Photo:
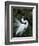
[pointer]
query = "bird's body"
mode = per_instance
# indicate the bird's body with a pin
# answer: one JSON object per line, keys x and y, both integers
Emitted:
{"x": 20, "y": 29}
{"x": 22, "y": 26}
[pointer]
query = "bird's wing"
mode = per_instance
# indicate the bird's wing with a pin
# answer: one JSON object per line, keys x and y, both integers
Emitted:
{"x": 17, "y": 22}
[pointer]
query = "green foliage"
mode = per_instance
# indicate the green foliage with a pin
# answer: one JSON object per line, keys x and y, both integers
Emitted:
{"x": 27, "y": 12}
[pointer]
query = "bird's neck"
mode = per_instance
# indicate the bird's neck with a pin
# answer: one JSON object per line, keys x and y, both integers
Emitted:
{"x": 24, "y": 21}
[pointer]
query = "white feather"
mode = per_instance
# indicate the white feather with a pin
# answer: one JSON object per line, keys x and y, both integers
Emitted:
{"x": 21, "y": 26}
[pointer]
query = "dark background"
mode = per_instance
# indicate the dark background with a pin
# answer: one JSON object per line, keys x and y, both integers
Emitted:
{"x": 27, "y": 13}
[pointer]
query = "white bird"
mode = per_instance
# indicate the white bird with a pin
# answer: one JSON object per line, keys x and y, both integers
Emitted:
{"x": 22, "y": 26}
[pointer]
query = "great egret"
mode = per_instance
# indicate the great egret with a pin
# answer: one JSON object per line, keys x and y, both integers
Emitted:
{"x": 21, "y": 26}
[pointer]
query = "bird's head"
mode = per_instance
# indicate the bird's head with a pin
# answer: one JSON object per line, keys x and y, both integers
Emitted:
{"x": 24, "y": 20}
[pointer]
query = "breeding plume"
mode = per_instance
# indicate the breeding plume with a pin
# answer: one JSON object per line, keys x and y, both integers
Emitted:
{"x": 21, "y": 26}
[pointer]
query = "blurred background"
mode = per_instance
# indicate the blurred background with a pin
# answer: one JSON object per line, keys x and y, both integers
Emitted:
{"x": 18, "y": 13}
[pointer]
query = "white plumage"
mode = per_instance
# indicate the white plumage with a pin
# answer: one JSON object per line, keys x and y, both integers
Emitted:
{"x": 21, "y": 26}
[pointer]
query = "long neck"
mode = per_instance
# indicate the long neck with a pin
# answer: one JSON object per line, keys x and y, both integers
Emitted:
{"x": 22, "y": 20}
{"x": 26, "y": 24}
